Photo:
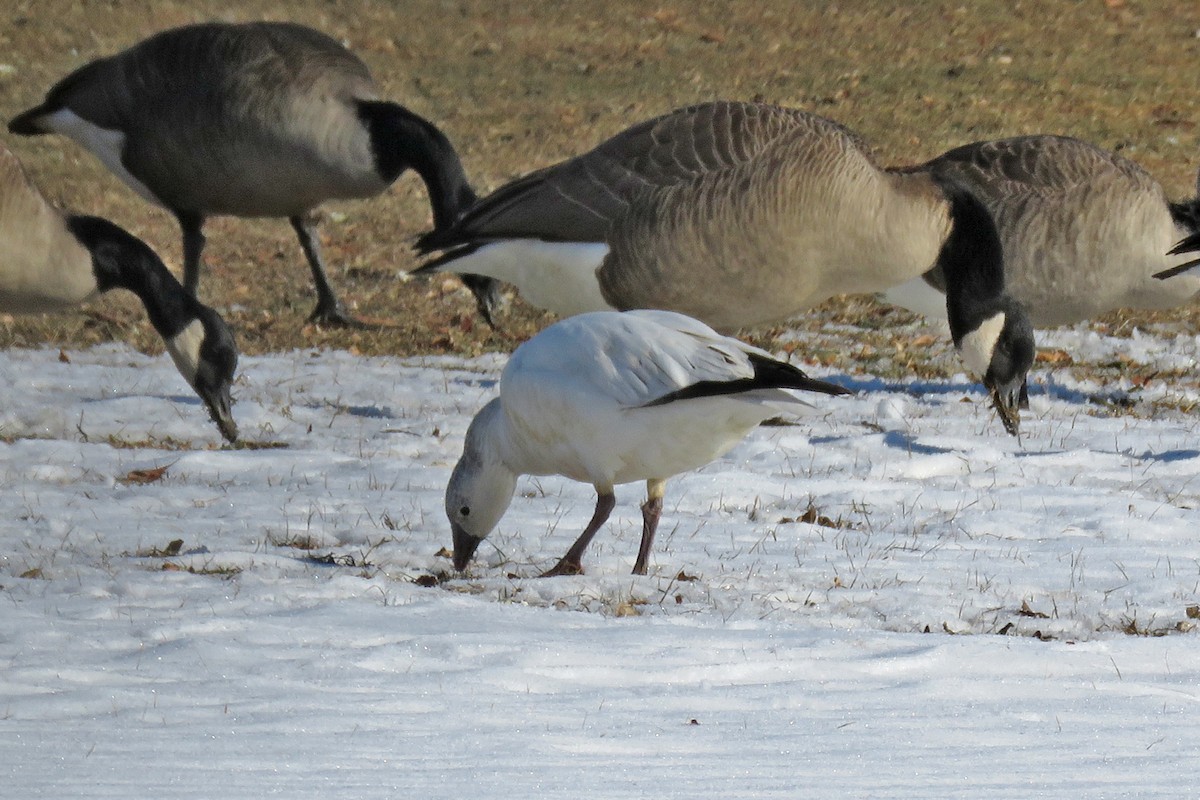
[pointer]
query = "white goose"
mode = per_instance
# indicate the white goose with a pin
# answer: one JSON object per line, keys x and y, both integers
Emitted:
{"x": 743, "y": 214}
{"x": 262, "y": 119}
{"x": 51, "y": 262}
{"x": 608, "y": 398}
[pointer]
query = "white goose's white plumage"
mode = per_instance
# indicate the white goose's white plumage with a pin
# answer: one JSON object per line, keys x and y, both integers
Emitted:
{"x": 608, "y": 398}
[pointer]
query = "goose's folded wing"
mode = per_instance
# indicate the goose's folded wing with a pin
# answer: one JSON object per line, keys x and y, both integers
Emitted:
{"x": 578, "y": 199}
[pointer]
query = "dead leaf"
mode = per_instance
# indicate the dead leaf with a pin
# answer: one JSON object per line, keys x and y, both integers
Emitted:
{"x": 1054, "y": 356}
{"x": 813, "y": 517}
{"x": 144, "y": 476}
{"x": 63, "y": 357}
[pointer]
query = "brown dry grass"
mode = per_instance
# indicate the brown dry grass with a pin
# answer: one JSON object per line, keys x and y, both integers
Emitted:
{"x": 520, "y": 85}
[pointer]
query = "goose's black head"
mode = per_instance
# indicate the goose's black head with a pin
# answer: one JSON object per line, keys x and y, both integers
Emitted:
{"x": 991, "y": 330}
{"x": 999, "y": 347}
{"x": 215, "y": 366}
{"x": 199, "y": 341}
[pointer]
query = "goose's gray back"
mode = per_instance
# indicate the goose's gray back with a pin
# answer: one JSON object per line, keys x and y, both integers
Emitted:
{"x": 252, "y": 119}
{"x": 43, "y": 267}
{"x": 739, "y": 214}
{"x": 1083, "y": 229}
{"x": 792, "y": 192}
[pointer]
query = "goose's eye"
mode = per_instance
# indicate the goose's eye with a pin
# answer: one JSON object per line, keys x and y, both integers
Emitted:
{"x": 465, "y": 511}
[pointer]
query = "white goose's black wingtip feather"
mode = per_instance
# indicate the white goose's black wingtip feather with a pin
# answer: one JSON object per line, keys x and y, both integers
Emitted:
{"x": 769, "y": 373}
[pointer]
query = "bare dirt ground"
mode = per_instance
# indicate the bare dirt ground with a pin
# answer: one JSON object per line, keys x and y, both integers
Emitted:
{"x": 518, "y": 85}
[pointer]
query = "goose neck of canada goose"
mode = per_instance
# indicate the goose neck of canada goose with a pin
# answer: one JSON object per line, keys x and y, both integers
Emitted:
{"x": 990, "y": 329}
{"x": 1186, "y": 215}
{"x": 402, "y": 140}
{"x": 199, "y": 342}
{"x": 972, "y": 261}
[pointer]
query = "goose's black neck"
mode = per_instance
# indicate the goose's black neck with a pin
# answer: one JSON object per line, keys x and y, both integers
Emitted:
{"x": 402, "y": 140}
{"x": 122, "y": 261}
{"x": 972, "y": 261}
{"x": 1187, "y": 214}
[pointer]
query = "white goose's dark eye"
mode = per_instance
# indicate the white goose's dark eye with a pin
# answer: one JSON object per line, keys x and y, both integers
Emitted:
{"x": 465, "y": 511}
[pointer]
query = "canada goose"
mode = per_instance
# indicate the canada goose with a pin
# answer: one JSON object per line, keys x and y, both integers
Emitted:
{"x": 609, "y": 398}
{"x": 742, "y": 214}
{"x": 50, "y": 262}
{"x": 262, "y": 119}
{"x": 1084, "y": 230}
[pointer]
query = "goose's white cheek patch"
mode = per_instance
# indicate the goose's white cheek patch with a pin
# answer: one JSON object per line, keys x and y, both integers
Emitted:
{"x": 184, "y": 348}
{"x": 977, "y": 346}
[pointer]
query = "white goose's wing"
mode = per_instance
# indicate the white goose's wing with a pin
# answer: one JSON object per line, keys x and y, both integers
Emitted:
{"x": 622, "y": 360}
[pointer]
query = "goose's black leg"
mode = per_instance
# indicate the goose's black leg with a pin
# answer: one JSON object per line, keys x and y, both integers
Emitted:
{"x": 329, "y": 310}
{"x": 193, "y": 248}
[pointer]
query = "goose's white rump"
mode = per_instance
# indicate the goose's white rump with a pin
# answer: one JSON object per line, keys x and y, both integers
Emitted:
{"x": 608, "y": 398}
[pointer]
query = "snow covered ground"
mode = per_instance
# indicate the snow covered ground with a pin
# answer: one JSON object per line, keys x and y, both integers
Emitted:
{"x": 962, "y": 615}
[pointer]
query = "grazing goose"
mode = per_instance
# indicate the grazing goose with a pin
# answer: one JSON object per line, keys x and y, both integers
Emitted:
{"x": 1084, "y": 230}
{"x": 742, "y": 214}
{"x": 49, "y": 262}
{"x": 263, "y": 119}
{"x": 609, "y": 398}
